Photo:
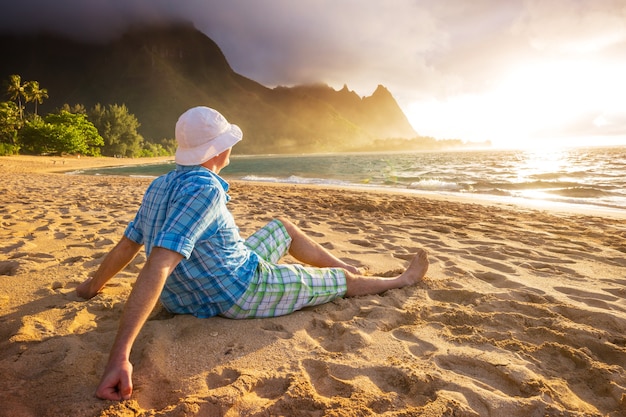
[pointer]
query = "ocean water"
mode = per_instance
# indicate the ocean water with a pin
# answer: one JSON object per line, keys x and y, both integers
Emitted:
{"x": 578, "y": 176}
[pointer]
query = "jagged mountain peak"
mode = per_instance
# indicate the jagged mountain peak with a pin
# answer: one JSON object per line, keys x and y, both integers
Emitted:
{"x": 160, "y": 71}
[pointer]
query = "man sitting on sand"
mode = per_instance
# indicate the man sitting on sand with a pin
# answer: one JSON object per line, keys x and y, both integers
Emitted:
{"x": 198, "y": 264}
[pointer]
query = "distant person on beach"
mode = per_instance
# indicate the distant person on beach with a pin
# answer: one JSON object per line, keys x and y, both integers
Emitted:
{"x": 198, "y": 264}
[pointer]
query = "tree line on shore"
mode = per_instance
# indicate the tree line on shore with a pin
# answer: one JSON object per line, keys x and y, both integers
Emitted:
{"x": 100, "y": 131}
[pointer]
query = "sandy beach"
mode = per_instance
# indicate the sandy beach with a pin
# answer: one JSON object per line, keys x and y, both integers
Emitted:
{"x": 522, "y": 312}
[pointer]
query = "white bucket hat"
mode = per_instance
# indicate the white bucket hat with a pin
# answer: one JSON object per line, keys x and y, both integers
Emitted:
{"x": 201, "y": 134}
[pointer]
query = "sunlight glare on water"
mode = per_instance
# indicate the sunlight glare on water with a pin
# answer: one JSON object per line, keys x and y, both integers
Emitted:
{"x": 537, "y": 166}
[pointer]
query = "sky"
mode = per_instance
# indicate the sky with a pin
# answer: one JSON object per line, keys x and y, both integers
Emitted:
{"x": 518, "y": 73}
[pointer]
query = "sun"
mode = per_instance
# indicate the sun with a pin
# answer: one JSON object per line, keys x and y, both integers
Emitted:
{"x": 555, "y": 93}
{"x": 537, "y": 104}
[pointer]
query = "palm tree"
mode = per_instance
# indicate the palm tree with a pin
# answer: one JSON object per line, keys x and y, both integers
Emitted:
{"x": 34, "y": 93}
{"x": 16, "y": 92}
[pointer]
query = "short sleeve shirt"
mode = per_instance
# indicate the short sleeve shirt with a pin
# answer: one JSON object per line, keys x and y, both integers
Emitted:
{"x": 185, "y": 211}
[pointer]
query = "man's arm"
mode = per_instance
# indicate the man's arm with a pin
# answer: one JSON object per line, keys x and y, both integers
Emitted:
{"x": 116, "y": 260}
{"x": 116, "y": 383}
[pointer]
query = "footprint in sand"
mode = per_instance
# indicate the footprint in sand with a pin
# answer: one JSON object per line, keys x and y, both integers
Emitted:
{"x": 618, "y": 292}
{"x": 463, "y": 297}
{"x": 344, "y": 310}
{"x": 34, "y": 329}
{"x": 514, "y": 381}
{"x": 416, "y": 346}
{"x": 497, "y": 280}
{"x": 326, "y": 384}
{"x": 9, "y": 268}
{"x": 346, "y": 230}
{"x": 222, "y": 378}
{"x": 328, "y": 245}
{"x": 271, "y": 388}
{"x": 313, "y": 233}
{"x": 386, "y": 317}
{"x": 406, "y": 256}
{"x": 99, "y": 243}
{"x": 277, "y": 329}
{"x": 531, "y": 296}
{"x": 382, "y": 388}
{"x": 40, "y": 257}
{"x": 585, "y": 376}
{"x": 498, "y": 266}
{"x": 233, "y": 348}
{"x": 337, "y": 337}
{"x": 363, "y": 243}
{"x": 80, "y": 245}
{"x": 543, "y": 269}
{"x": 592, "y": 299}
{"x": 264, "y": 387}
{"x": 72, "y": 260}
{"x": 22, "y": 245}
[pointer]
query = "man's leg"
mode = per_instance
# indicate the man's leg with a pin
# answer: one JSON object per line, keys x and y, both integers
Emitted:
{"x": 306, "y": 250}
{"x": 279, "y": 289}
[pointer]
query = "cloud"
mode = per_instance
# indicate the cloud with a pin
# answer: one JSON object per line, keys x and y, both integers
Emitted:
{"x": 425, "y": 51}
{"x": 573, "y": 26}
{"x": 276, "y": 42}
{"x": 96, "y": 19}
{"x": 352, "y": 42}
{"x": 429, "y": 46}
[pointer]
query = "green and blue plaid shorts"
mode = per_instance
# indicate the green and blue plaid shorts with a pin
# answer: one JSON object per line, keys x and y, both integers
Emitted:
{"x": 279, "y": 289}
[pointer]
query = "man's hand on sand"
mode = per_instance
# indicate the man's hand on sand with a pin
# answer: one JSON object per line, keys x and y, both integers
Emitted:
{"x": 116, "y": 383}
{"x": 84, "y": 291}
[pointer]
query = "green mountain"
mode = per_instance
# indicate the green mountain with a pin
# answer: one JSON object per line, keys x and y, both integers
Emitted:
{"x": 159, "y": 72}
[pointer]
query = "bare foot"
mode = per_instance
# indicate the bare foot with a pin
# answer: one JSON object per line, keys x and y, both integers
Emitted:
{"x": 362, "y": 285}
{"x": 417, "y": 268}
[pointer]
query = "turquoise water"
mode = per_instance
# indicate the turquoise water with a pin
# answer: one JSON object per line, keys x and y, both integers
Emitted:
{"x": 591, "y": 176}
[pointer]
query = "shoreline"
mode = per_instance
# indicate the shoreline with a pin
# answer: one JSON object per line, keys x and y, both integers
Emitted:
{"x": 522, "y": 311}
{"x": 67, "y": 165}
{"x": 63, "y": 164}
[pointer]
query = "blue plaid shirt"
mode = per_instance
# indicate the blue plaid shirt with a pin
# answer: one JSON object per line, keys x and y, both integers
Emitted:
{"x": 185, "y": 211}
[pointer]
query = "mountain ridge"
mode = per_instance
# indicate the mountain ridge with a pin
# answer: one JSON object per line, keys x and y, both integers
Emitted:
{"x": 160, "y": 71}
